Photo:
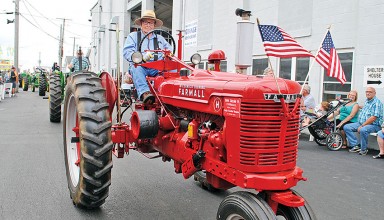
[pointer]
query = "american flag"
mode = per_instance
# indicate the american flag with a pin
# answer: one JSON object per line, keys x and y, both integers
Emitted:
{"x": 278, "y": 43}
{"x": 328, "y": 58}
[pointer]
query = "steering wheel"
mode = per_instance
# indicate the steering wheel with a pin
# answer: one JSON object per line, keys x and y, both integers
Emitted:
{"x": 173, "y": 44}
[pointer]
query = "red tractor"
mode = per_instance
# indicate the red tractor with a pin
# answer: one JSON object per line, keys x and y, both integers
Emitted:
{"x": 241, "y": 130}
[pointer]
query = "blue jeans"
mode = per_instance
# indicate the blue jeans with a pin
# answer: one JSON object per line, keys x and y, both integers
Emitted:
{"x": 139, "y": 74}
{"x": 350, "y": 130}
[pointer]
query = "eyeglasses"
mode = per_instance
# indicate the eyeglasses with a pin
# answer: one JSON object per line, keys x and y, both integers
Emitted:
{"x": 148, "y": 22}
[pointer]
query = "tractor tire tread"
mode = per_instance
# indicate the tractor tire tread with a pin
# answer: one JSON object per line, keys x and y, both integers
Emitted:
{"x": 95, "y": 140}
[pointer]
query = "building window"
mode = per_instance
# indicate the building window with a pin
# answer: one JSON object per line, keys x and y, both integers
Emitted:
{"x": 332, "y": 88}
{"x": 201, "y": 65}
{"x": 302, "y": 68}
{"x": 259, "y": 65}
{"x": 285, "y": 68}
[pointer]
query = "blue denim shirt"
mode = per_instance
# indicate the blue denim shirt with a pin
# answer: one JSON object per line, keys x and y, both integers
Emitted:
{"x": 373, "y": 107}
{"x": 131, "y": 46}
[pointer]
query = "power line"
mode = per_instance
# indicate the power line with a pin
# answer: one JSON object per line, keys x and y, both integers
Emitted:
{"x": 38, "y": 27}
{"x": 50, "y": 20}
{"x": 32, "y": 16}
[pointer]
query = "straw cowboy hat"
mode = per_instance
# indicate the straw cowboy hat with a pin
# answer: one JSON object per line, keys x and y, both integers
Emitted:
{"x": 149, "y": 14}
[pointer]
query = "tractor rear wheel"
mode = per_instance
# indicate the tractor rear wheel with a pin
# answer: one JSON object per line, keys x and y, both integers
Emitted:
{"x": 42, "y": 85}
{"x": 296, "y": 213}
{"x": 244, "y": 205}
{"x": 25, "y": 84}
{"x": 87, "y": 140}
{"x": 55, "y": 98}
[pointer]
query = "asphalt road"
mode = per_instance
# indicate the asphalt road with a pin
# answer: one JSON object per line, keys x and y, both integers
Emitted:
{"x": 33, "y": 184}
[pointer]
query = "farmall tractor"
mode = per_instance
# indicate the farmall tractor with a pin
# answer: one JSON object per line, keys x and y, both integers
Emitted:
{"x": 239, "y": 129}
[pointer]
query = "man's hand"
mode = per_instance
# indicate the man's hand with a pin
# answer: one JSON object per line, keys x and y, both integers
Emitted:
{"x": 147, "y": 56}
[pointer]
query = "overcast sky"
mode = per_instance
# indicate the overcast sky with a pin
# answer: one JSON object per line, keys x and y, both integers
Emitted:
{"x": 41, "y": 37}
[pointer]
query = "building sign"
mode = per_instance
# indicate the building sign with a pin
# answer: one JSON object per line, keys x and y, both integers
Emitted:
{"x": 374, "y": 76}
{"x": 190, "y": 38}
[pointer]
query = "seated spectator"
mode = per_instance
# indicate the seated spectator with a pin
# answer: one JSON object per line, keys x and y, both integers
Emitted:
{"x": 268, "y": 72}
{"x": 370, "y": 119}
{"x": 321, "y": 111}
{"x": 347, "y": 114}
{"x": 308, "y": 102}
{"x": 380, "y": 142}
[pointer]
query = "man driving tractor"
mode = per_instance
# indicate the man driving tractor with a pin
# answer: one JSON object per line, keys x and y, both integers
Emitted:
{"x": 147, "y": 22}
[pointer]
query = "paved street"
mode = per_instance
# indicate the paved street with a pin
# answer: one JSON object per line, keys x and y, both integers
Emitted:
{"x": 33, "y": 184}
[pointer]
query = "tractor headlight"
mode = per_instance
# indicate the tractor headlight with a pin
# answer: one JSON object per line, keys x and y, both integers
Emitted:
{"x": 137, "y": 57}
{"x": 196, "y": 58}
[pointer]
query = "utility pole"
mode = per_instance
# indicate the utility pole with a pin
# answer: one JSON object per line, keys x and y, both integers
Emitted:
{"x": 60, "y": 46}
{"x": 61, "y": 50}
{"x": 74, "y": 41}
{"x": 16, "y": 43}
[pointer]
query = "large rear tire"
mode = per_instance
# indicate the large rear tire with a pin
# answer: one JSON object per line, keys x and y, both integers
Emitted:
{"x": 42, "y": 85}
{"x": 244, "y": 205}
{"x": 55, "y": 98}
{"x": 87, "y": 140}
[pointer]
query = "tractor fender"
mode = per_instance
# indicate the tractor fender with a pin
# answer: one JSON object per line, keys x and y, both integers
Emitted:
{"x": 110, "y": 90}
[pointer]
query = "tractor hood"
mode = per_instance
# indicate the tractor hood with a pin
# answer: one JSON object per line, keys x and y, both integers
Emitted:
{"x": 203, "y": 87}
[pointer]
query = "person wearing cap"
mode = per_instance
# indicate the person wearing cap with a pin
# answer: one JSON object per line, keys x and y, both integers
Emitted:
{"x": 148, "y": 22}
{"x": 74, "y": 66}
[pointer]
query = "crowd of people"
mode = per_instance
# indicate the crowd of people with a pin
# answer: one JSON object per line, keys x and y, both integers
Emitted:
{"x": 10, "y": 76}
{"x": 355, "y": 122}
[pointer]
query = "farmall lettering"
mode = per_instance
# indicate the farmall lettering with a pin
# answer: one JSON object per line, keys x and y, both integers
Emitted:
{"x": 289, "y": 98}
{"x": 192, "y": 91}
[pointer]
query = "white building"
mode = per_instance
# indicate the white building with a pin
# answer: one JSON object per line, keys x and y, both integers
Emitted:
{"x": 357, "y": 28}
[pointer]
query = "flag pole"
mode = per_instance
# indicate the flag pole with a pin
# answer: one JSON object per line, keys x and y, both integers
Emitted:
{"x": 269, "y": 60}
{"x": 317, "y": 53}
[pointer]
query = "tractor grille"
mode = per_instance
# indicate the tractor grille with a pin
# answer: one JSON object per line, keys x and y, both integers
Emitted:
{"x": 268, "y": 140}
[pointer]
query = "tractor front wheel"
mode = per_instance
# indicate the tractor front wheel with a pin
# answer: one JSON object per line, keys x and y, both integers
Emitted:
{"x": 244, "y": 205}
{"x": 55, "y": 98}
{"x": 87, "y": 140}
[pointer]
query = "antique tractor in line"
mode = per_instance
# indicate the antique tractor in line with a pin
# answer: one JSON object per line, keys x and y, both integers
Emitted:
{"x": 236, "y": 128}
{"x": 38, "y": 79}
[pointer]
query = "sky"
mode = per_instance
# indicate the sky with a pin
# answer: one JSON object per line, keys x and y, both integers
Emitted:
{"x": 40, "y": 40}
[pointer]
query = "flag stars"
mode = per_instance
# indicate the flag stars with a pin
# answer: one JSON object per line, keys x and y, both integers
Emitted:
{"x": 328, "y": 43}
{"x": 271, "y": 33}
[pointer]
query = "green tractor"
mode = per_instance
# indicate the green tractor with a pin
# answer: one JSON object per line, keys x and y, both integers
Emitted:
{"x": 25, "y": 80}
{"x": 56, "y": 95}
{"x": 38, "y": 79}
